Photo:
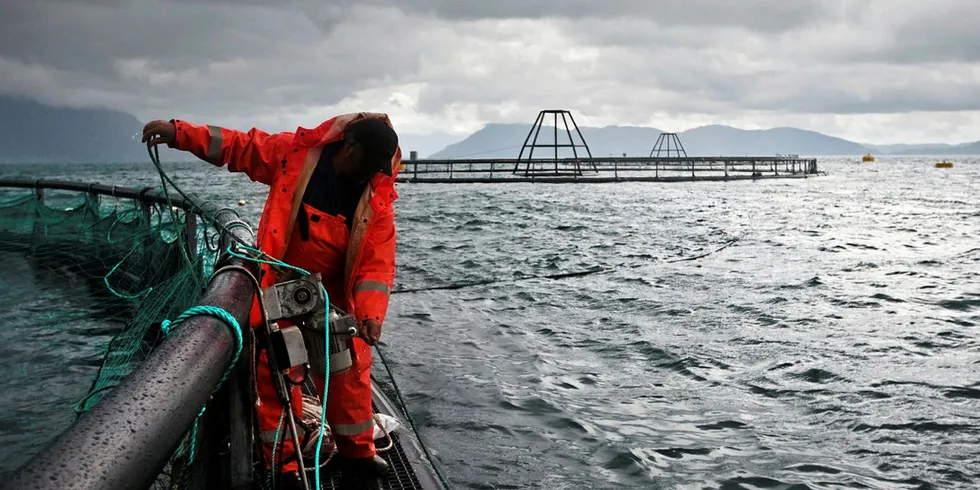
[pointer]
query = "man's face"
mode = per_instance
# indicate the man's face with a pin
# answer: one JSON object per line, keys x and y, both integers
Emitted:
{"x": 349, "y": 161}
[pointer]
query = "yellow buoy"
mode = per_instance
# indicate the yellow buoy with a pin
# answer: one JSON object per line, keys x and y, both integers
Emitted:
{"x": 868, "y": 158}
{"x": 241, "y": 202}
{"x": 944, "y": 164}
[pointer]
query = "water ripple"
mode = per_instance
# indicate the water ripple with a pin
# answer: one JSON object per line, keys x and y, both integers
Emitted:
{"x": 832, "y": 346}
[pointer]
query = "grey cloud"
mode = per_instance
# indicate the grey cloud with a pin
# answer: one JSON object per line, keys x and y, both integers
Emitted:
{"x": 206, "y": 57}
{"x": 266, "y": 60}
{"x": 722, "y": 86}
{"x": 921, "y": 94}
{"x": 89, "y": 38}
{"x": 762, "y": 15}
{"x": 640, "y": 80}
{"x": 640, "y": 32}
{"x": 94, "y": 3}
{"x": 902, "y": 33}
{"x": 943, "y": 33}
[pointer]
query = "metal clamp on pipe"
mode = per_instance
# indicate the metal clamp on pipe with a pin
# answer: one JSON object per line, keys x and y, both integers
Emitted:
{"x": 296, "y": 323}
{"x": 301, "y": 302}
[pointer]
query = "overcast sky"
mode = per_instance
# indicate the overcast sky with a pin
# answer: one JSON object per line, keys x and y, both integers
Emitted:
{"x": 875, "y": 71}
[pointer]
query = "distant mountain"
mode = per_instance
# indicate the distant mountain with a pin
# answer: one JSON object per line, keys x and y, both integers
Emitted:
{"x": 726, "y": 140}
{"x": 894, "y": 149}
{"x": 504, "y": 141}
{"x": 492, "y": 141}
{"x": 34, "y": 133}
{"x": 929, "y": 149}
{"x": 965, "y": 149}
{"x": 31, "y": 132}
{"x": 424, "y": 144}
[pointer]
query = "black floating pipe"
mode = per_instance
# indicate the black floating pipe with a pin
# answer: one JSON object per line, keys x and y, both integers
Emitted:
{"x": 147, "y": 194}
{"x": 126, "y": 439}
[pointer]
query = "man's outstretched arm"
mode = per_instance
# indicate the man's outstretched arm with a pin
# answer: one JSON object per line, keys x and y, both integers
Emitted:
{"x": 255, "y": 153}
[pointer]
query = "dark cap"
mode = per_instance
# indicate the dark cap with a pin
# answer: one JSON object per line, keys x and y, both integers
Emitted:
{"x": 377, "y": 140}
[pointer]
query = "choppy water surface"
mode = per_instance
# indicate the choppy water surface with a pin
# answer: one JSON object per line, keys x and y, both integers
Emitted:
{"x": 833, "y": 344}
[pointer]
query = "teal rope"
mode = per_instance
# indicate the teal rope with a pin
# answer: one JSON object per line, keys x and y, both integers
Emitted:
{"x": 166, "y": 326}
{"x": 326, "y": 380}
{"x": 272, "y": 261}
{"x": 326, "y": 353}
{"x": 112, "y": 290}
{"x": 165, "y": 179}
{"x": 275, "y": 444}
{"x": 323, "y": 413}
{"x": 196, "y": 209}
{"x": 220, "y": 313}
{"x": 120, "y": 216}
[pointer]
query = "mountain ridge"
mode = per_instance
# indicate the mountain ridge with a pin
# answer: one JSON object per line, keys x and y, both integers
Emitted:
{"x": 707, "y": 140}
{"x": 31, "y": 132}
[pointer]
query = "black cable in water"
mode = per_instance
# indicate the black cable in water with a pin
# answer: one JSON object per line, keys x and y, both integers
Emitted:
{"x": 588, "y": 272}
{"x": 564, "y": 275}
{"x": 696, "y": 257}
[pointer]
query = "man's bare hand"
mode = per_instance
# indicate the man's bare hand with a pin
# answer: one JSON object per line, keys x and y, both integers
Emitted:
{"x": 370, "y": 331}
{"x": 159, "y": 132}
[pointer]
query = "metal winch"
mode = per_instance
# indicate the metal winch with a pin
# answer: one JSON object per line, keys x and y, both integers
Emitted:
{"x": 301, "y": 302}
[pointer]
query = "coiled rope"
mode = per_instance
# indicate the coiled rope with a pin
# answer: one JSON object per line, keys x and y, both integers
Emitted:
{"x": 326, "y": 333}
{"x": 221, "y": 314}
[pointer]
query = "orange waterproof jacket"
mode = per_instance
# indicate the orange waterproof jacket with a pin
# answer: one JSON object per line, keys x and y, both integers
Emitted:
{"x": 284, "y": 162}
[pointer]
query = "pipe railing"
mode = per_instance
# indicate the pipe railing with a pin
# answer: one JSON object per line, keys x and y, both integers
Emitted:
{"x": 127, "y": 438}
{"x": 601, "y": 169}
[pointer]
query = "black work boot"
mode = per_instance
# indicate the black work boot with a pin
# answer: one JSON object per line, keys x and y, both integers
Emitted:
{"x": 362, "y": 473}
{"x": 291, "y": 480}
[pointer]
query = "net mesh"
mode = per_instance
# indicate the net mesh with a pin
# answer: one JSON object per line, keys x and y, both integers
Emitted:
{"x": 122, "y": 266}
{"x": 104, "y": 273}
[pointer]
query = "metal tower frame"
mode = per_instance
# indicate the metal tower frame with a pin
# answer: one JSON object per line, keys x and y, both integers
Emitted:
{"x": 536, "y": 130}
{"x": 665, "y": 140}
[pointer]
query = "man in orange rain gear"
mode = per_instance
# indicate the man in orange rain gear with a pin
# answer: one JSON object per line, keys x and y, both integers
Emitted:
{"x": 329, "y": 210}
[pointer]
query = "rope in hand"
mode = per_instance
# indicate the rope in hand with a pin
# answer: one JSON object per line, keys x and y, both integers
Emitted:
{"x": 165, "y": 180}
{"x": 167, "y": 327}
{"x": 196, "y": 208}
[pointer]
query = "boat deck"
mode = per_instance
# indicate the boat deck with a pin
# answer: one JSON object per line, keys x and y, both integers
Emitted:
{"x": 410, "y": 467}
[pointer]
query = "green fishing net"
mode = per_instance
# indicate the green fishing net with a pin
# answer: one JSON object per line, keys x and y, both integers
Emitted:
{"x": 89, "y": 279}
{"x": 133, "y": 259}
{"x": 121, "y": 266}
